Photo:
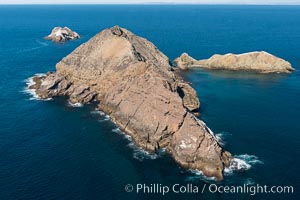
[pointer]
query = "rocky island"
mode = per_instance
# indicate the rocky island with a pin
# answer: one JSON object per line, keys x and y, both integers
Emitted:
{"x": 59, "y": 34}
{"x": 261, "y": 62}
{"x": 135, "y": 84}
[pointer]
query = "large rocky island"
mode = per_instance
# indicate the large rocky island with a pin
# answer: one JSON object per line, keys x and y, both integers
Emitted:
{"x": 261, "y": 62}
{"x": 135, "y": 84}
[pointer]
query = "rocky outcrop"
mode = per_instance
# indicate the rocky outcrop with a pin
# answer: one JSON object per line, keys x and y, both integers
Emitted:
{"x": 135, "y": 84}
{"x": 262, "y": 62}
{"x": 185, "y": 61}
{"x": 60, "y": 34}
{"x": 189, "y": 96}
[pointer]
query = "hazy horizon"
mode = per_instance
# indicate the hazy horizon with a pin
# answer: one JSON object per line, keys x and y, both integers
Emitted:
{"x": 239, "y": 2}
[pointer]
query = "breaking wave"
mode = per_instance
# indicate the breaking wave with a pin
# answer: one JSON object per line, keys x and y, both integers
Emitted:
{"x": 29, "y": 82}
{"x": 242, "y": 163}
{"x": 98, "y": 112}
{"x": 117, "y": 130}
{"x": 76, "y": 105}
{"x": 139, "y": 153}
{"x": 221, "y": 137}
{"x": 198, "y": 175}
{"x": 106, "y": 118}
{"x": 239, "y": 163}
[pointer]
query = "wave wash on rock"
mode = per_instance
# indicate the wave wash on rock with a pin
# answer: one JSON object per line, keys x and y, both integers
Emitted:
{"x": 135, "y": 84}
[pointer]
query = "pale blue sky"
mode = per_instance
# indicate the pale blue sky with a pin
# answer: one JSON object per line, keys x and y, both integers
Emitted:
{"x": 287, "y": 2}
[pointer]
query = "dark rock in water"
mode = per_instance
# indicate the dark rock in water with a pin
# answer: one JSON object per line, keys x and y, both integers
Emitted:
{"x": 60, "y": 34}
{"x": 136, "y": 86}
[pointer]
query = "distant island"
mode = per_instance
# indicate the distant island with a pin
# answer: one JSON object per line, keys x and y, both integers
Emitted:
{"x": 59, "y": 34}
{"x": 261, "y": 62}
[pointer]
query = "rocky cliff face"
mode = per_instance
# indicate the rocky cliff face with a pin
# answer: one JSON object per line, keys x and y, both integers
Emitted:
{"x": 262, "y": 62}
{"x": 59, "y": 34}
{"x": 135, "y": 84}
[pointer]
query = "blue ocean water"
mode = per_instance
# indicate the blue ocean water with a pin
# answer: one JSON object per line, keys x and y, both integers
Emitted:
{"x": 50, "y": 150}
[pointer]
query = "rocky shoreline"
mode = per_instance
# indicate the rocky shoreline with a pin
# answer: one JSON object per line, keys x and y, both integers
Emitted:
{"x": 134, "y": 83}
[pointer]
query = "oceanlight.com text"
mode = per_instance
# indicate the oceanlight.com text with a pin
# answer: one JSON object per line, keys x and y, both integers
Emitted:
{"x": 161, "y": 189}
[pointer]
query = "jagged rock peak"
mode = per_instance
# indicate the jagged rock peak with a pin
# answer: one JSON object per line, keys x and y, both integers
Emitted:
{"x": 116, "y": 30}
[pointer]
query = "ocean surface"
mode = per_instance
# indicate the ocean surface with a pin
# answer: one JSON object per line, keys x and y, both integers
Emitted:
{"x": 53, "y": 150}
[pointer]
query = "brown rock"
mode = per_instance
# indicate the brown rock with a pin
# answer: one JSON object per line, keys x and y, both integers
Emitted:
{"x": 195, "y": 146}
{"x": 189, "y": 96}
{"x": 185, "y": 61}
{"x": 262, "y": 62}
{"x": 136, "y": 86}
{"x": 59, "y": 34}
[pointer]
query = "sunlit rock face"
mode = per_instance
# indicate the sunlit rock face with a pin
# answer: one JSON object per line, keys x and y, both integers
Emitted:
{"x": 261, "y": 62}
{"x": 136, "y": 85}
{"x": 59, "y": 34}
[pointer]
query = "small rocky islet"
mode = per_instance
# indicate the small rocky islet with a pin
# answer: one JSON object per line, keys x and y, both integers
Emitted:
{"x": 60, "y": 35}
{"x": 136, "y": 85}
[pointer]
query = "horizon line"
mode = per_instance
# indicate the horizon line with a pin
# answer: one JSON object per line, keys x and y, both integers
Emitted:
{"x": 158, "y": 3}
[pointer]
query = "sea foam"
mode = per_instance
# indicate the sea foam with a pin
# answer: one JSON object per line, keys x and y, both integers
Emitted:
{"x": 106, "y": 118}
{"x": 221, "y": 137}
{"x": 242, "y": 163}
{"x": 98, "y": 112}
{"x": 139, "y": 153}
{"x": 75, "y": 104}
{"x": 239, "y": 163}
{"x": 29, "y": 82}
{"x": 199, "y": 175}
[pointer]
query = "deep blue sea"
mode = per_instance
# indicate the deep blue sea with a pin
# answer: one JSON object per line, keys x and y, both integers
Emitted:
{"x": 51, "y": 150}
